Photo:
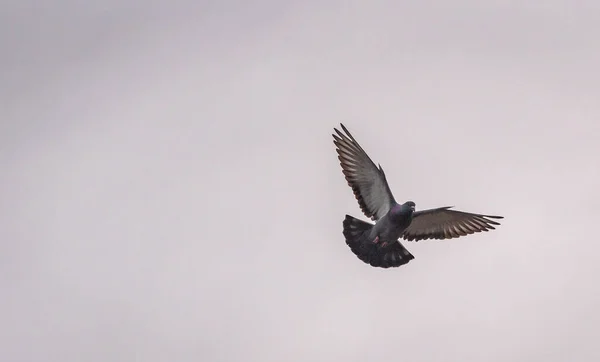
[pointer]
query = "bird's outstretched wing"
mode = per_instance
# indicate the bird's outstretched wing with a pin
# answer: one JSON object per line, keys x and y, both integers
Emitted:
{"x": 442, "y": 223}
{"x": 367, "y": 181}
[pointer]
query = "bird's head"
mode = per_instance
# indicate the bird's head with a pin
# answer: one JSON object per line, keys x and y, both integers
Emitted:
{"x": 409, "y": 205}
{"x": 402, "y": 210}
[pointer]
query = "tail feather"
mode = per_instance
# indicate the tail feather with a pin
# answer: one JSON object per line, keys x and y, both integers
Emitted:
{"x": 357, "y": 232}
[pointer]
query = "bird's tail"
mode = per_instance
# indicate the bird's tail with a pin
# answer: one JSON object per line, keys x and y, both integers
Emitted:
{"x": 357, "y": 232}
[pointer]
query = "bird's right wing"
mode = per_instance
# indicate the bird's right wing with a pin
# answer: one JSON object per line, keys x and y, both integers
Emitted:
{"x": 367, "y": 181}
{"x": 443, "y": 223}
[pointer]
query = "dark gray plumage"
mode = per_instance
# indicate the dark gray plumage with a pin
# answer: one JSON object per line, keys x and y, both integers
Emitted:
{"x": 379, "y": 244}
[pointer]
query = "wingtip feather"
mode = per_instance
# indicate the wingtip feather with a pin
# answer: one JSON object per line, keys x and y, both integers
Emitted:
{"x": 344, "y": 127}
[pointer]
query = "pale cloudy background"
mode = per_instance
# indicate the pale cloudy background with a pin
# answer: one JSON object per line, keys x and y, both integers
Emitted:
{"x": 170, "y": 190}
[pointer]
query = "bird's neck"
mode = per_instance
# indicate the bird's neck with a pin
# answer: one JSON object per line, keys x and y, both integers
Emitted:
{"x": 400, "y": 213}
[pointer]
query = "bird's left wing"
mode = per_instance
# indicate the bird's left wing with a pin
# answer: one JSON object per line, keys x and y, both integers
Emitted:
{"x": 443, "y": 223}
{"x": 368, "y": 182}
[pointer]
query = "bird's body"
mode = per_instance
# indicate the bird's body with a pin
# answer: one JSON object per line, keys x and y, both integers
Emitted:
{"x": 379, "y": 244}
{"x": 392, "y": 225}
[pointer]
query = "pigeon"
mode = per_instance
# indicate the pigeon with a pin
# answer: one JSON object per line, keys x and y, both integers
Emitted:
{"x": 379, "y": 244}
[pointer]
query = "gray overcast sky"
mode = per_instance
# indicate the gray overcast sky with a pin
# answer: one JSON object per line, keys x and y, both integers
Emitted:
{"x": 170, "y": 189}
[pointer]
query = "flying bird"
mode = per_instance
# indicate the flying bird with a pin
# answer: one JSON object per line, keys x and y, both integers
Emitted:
{"x": 379, "y": 244}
